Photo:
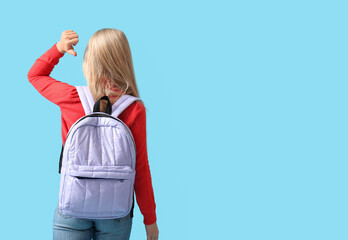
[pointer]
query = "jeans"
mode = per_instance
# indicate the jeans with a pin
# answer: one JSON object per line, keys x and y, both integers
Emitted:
{"x": 71, "y": 228}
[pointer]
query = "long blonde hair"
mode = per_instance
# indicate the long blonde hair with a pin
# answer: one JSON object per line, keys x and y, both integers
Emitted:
{"x": 108, "y": 65}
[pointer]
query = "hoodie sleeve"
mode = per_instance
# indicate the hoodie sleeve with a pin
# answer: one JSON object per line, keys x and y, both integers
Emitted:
{"x": 143, "y": 182}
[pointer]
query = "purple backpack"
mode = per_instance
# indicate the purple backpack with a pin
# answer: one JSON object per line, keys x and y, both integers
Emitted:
{"x": 97, "y": 163}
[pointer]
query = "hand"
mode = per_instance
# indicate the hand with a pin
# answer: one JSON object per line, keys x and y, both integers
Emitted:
{"x": 152, "y": 231}
{"x": 67, "y": 40}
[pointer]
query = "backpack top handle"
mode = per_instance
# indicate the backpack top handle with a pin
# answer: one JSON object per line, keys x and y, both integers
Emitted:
{"x": 108, "y": 108}
{"x": 117, "y": 108}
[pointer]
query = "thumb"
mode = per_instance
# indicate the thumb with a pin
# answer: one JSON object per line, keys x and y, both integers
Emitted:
{"x": 72, "y": 52}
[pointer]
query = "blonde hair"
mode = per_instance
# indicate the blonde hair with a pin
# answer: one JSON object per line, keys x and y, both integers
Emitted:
{"x": 108, "y": 65}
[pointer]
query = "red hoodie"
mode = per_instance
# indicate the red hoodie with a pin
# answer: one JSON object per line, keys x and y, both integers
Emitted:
{"x": 67, "y": 98}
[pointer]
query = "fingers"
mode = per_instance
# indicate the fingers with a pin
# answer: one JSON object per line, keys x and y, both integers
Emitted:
{"x": 73, "y": 41}
{"x": 73, "y": 34}
{"x": 69, "y": 39}
{"x": 153, "y": 236}
{"x": 69, "y": 34}
{"x": 72, "y": 52}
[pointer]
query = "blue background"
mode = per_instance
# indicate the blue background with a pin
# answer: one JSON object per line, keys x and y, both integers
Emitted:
{"x": 246, "y": 114}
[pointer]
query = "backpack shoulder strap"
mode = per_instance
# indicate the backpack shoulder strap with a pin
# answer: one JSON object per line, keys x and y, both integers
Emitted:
{"x": 122, "y": 103}
{"x": 87, "y": 99}
{"x": 118, "y": 107}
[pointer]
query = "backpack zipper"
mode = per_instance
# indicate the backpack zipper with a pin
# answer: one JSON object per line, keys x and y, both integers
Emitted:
{"x": 120, "y": 179}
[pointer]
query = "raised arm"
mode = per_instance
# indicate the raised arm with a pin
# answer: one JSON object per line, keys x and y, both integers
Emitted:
{"x": 39, "y": 74}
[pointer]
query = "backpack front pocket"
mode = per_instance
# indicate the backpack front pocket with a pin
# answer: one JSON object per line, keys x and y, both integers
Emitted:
{"x": 99, "y": 191}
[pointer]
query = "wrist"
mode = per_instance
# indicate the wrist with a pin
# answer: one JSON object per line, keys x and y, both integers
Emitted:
{"x": 59, "y": 49}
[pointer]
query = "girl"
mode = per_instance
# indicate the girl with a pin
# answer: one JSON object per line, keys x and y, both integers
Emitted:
{"x": 108, "y": 68}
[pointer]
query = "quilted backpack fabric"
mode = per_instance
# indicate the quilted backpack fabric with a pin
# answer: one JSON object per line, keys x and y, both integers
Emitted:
{"x": 97, "y": 162}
